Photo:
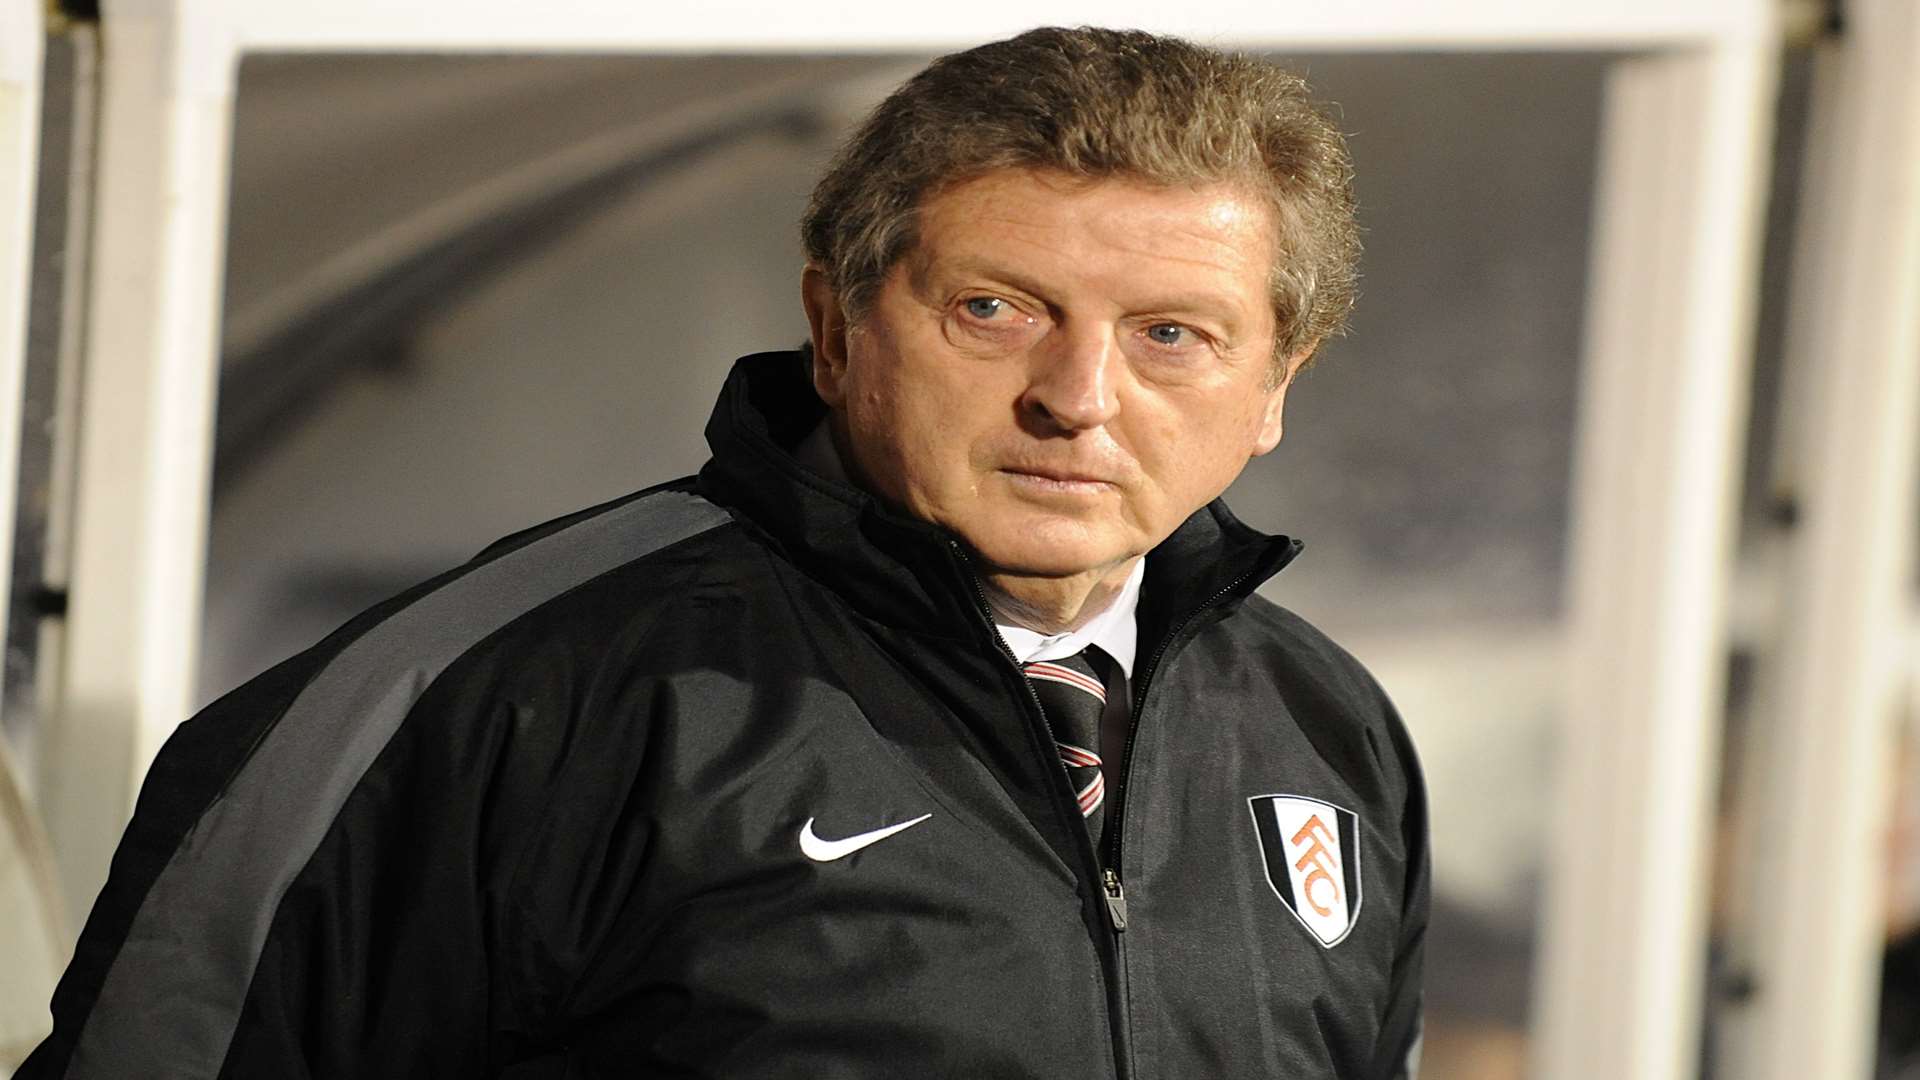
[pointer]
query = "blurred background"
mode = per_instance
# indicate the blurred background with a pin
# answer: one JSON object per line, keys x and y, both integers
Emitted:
{"x": 466, "y": 293}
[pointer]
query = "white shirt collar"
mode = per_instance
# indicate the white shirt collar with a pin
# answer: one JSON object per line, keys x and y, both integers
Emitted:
{"x": 1114, "y": 629}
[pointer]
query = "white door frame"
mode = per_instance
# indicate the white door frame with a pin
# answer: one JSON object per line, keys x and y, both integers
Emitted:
{"x": 1663, "y": 406}
{"x": 22, "y": 42}
{"x": 1814, "y": 830}
{"x": 1686, "y": 131}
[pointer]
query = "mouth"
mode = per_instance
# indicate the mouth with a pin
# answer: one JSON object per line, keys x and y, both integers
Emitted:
{"x": 1065, "y": 481}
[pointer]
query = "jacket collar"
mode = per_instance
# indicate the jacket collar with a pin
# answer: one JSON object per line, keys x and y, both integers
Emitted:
{"x": 909, "y": 573}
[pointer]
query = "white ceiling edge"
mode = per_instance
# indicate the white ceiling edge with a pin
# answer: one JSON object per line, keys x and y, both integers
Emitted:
{"x": 884, "y": 26}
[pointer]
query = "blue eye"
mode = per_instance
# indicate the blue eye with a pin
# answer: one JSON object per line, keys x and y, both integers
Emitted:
{"x": 1167, "y": 333}
{"x": 985, "y": 307}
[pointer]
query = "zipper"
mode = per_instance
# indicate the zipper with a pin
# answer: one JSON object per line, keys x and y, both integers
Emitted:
{"x": 1112, "y": 889}
{"x": 1116, "y": 899}
{"x": 1108, "y": 881}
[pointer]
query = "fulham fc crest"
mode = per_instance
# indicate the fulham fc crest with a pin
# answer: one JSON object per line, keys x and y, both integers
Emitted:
{"x": 1312, "y": 852}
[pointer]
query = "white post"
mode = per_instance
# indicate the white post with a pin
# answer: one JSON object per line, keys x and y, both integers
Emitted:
{"x": 22, "y": 39}
{"x": 1818, "y": 871}
{"x": 146, "y": 424}
{"x": 1663, "y": 398}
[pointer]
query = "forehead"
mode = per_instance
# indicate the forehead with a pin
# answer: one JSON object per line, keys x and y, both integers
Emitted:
{"x": 1213, "y": 234}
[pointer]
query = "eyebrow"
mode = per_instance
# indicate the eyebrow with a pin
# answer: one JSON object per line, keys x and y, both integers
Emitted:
{"x": 921, "y": 274}
{"x": 1205, "y": 305}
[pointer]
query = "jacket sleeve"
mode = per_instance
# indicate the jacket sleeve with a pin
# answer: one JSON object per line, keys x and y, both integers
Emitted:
{"x": 319, "y": 879}
{"x": 289, "y": 900}
{"x": 1397, "y": 1052}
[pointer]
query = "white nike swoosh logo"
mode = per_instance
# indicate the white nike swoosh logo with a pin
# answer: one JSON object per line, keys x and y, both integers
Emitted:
{"x": 828, "y": 850}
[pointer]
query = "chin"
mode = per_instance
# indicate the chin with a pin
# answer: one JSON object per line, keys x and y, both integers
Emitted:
{"x": 1031, "y": 552}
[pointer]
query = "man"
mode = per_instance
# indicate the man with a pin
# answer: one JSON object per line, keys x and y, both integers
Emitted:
{"x": 933, "y": 729}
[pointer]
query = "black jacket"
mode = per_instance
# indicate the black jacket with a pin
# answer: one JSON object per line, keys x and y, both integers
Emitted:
{"x": 541, "y": 817}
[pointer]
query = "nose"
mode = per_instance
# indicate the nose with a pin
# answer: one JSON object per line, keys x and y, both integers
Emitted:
{"x": 1073, "y": 376}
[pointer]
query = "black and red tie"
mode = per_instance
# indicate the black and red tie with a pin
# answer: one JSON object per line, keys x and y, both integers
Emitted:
{"x": 1073, "y": 696}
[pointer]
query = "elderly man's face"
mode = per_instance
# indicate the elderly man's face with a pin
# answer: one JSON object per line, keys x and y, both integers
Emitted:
{"x": 1063, "y": 369}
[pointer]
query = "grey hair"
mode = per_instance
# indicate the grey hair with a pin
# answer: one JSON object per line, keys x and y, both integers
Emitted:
{"x": 1098, "y": 103}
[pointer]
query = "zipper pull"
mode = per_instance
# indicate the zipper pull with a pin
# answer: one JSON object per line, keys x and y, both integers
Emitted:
{"x": 1116, "y": 901}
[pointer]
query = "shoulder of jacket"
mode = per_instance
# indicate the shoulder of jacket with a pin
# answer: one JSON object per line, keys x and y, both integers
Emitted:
{"x": 643, "y": 544}
{"x": 615, "y": 565}
{"x": 1307, "y": 642}
{"x": 655, "y": 518}
{"x": 1309, "y": 653}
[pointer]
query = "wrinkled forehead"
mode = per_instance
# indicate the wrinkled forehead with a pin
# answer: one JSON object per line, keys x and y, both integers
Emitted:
{"x": 1233, "y": 215}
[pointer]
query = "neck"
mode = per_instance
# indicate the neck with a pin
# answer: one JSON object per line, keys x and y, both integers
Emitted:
{"x": 1054, "y": 605}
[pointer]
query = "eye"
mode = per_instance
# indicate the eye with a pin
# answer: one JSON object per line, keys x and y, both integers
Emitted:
{"x": 1169, "y": 334}
{"x": 991, "y": 322}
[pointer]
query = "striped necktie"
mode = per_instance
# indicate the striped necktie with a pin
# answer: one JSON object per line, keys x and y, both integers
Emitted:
{"x": 1073, "y": 696}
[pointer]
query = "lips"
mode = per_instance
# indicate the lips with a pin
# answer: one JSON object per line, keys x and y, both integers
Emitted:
{"x": 1061, "y": 476}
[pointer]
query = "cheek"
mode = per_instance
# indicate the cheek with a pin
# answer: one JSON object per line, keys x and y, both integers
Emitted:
{"x": 905, "y": 418}
{"x": 929, "y": 402}
{"x": 892, "y": 407}
{"x": 872, "y": 387}
{"x": 1193, "y": 455}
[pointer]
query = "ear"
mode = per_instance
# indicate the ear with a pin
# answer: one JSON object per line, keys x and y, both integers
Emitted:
{"x": 828, "y": 325}
{"x": 1267, "y": 436}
